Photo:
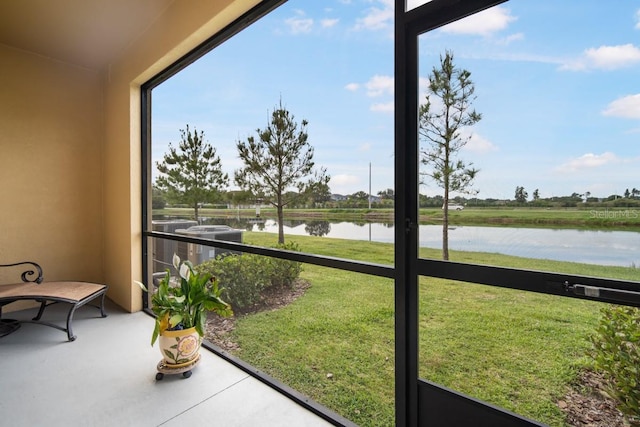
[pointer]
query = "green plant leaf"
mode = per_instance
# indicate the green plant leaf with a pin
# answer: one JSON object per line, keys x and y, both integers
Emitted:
{"x": 156, "y": 332}
{"x": 175, "y": 320}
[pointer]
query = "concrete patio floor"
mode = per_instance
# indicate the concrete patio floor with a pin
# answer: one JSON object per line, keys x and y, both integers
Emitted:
{"x": 106, "y": 377}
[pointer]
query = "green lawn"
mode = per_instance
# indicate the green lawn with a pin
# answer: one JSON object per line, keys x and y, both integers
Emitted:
{"x": 335, "y": 344}
{"x": 601, "y": 217}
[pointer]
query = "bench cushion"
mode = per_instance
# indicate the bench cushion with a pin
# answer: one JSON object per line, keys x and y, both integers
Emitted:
{"x": 68, "y": 291}
{"x": 76, "y": 294}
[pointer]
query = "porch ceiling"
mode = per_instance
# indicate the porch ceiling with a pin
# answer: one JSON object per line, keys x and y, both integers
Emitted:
{"x": 88, "y": 33}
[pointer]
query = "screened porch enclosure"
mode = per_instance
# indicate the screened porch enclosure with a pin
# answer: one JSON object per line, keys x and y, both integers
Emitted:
{"x": 493, "y": 301}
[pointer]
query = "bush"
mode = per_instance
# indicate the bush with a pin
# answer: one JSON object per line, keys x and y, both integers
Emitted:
{"x": 243, "y": 278}
{"x": 158, "y": 202}
{"x": 616, "y": 352}
{"x": 283, "y": 272}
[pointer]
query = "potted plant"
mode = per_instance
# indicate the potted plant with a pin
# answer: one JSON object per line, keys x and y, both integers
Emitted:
{"x": 181, "y": 305}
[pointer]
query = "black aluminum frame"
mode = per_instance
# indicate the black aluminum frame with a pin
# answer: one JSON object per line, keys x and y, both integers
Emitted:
{"x": 418, "y": 402}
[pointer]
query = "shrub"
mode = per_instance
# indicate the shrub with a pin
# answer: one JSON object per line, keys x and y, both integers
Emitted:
{"x": 242, "y": 277}
{"x": 284, "y": 272}
{"x": 158, "y": 202}
{"x": 616, "y": 352}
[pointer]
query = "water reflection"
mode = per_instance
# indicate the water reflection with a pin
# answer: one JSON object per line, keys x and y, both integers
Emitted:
{"x": 621, "y": 248}
{"x": 603, "y": 247}
{"x": 317, "y": 228}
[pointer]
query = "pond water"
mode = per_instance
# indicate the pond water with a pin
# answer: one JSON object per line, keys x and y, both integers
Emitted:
{"x": 602, "y": 247}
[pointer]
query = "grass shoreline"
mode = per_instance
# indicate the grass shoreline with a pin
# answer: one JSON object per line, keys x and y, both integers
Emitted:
{"x": 605, "y": 218}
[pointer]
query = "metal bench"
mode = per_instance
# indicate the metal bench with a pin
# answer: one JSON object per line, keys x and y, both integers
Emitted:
{"x": 76, "y": 294}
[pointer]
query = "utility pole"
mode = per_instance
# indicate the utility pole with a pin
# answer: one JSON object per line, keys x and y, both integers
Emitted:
{"x": 369, "y": 185}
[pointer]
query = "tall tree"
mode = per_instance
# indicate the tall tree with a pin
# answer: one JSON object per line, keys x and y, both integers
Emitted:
{"x": 157, "y": 198}
{"x": 192, "y": 173}
{"x": 360, "y": 195}
{"x": 239, "y": 197}
{"x": 536, "y": 194}
{"x": 317, "y": 191}
{"x": 521, "y": 195}
{"x": 442, "y": 118}
{"x": 280, "y": 158}
{"x": 387, "y": 194}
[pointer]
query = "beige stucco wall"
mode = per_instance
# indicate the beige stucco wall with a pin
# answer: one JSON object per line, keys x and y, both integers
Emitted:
{"x": 184, "y": 25}
{"x": 51, "y": 134}
{"x": 70, "y": 194}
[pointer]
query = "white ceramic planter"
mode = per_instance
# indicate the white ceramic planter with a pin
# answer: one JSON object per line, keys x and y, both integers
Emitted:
{"x": 179, "y": 348}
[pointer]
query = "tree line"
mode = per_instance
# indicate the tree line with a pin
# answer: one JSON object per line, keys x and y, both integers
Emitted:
{"x": 629, "y": 196}
{"x": 279, "y": 170}
{"x": 277, "y": 159}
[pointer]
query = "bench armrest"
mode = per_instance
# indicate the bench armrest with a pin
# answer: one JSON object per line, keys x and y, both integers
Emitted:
{"x": 28, "y": 275}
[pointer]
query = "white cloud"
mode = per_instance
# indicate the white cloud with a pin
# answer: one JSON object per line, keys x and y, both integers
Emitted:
{"x": 510, "y": 39}
{"x": 633, "y": 131}
{"x": 423, "y": 87}
{"x": 638, "y": 20}
{"x": 299, "y": 24}
{"x": 587, "y": 161}
{"x": 344, "y": 180}
{"x": 352, "y": 87}
{"x": 627, "y": 107}
{"x": 377, "y": 18}
{"x": 480, "y": 144}
{"x": 573, "y": 65}
{"x": 383, "y": 107}
{"x": 484, "y": 23}
{"x": 365, "y": 147}
{"x": 379, "y": 85}
{"x": 328, "y": 23}
{"x": 605, "y": 58}
{"x": 610, "y": 57}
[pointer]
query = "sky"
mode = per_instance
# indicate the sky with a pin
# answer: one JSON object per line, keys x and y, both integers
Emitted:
{"x": 557, "y": 84}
